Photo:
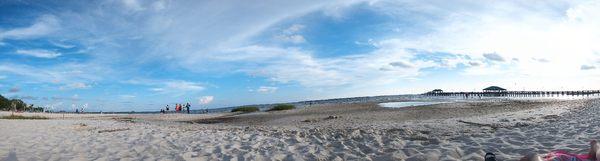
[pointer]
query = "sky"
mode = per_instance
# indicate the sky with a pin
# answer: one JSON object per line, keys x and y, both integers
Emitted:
{"x": 139, "y": 55}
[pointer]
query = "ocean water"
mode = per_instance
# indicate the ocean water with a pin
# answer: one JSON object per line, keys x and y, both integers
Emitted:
{"x": 407, "y": 104}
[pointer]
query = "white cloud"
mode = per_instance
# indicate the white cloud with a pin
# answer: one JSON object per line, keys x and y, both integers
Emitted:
{"x": 541, "y": 60}
{"x": 157, "y": 89}
{"x": 224, "y": 26}
{"x": 75, "y": 85}
{"x": 133, "y": 5}
{"x": 62, "y": 45}
{"x": 205, "y": 100}
{"x": 44, "y": 25}
{"x": 295, "y": 28}
{"x": 266, "y": 89}
{"x": 338, "y": 10}
{"x": 296, "y": 39}
{"x": 291, "y": 34}
{"x": 39, "y": 53}
{"x": 550, "y": 40}
{"x": 178, "y": 34}
{"x": 65, "y": 76}
{"x": 127, "y": 96}
{"x": 183, "y": 86}
{"x": 287, "y": 65}
{"x": 175, "y": 87}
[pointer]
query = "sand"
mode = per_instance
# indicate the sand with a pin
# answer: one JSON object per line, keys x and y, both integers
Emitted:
{"x": 453, "y": 131}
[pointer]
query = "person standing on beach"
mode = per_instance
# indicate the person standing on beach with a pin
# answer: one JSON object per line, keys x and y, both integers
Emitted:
{"x": 187, "y": 107}
{"x": 167, "y": 108}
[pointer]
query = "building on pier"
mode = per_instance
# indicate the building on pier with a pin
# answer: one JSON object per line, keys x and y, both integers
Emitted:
{"x": 494, "y": 89}
{"x": 437, "y": 91}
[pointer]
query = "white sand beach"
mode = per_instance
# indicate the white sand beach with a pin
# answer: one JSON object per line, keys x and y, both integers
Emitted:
{"x": 452, "y": 131}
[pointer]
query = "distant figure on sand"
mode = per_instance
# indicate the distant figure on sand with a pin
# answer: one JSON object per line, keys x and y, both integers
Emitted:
{"x": 167, "y": 108}
{"x": 593, "y": 155}
{"x": 187, "y": 107}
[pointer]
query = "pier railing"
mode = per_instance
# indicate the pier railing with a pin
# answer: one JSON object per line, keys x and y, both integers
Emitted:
{"x": 582, "y": 93}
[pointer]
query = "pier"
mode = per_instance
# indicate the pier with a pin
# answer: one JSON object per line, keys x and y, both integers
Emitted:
{"x": 495, "y": 91}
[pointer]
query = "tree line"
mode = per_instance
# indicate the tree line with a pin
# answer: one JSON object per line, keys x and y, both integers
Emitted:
{"x": 17, "y": 105}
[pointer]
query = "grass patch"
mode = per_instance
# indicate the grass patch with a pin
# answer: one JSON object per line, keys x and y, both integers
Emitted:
{"x": 127, "y": 119}
{"x": 281, "y": 107}
{"x": 19, "y": 117}
{"x": 246, "y": 109}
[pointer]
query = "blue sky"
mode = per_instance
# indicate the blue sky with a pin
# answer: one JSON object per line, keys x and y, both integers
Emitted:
{"x": 123, "y": 55}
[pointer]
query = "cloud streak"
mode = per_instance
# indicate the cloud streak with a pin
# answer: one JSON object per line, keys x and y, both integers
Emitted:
{"x": 44, "y": 25}
{"x": 266, "y": 89}
{"x": 39, "y": 53}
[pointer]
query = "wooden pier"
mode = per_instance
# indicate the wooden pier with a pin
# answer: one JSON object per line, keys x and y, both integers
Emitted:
{"x": 583, "y": 93}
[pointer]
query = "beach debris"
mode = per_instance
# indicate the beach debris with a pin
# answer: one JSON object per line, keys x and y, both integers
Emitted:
{"x": 317, "y": 120}
{"x": 332, "y": 117}
{"x": 214, "y": 120}
{"x": 83, "y": 126}
{"x": 310, "y": 120}
{"x": 113, "y": 130}
{"x": 479, "y": 124}
{"x": 551, "y": 117}
{"x": 127, "y": 119}
{"x": 521, "y": 124}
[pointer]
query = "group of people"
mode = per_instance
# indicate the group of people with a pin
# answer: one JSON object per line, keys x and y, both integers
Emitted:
{"x": 178, "y": 108}
{"x": 78, "y": 111}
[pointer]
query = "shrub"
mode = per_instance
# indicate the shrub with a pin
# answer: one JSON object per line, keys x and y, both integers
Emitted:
{"x": 245, "y": 109}
{"x": 19, "y": 117}
{"x": 282, "y": 107}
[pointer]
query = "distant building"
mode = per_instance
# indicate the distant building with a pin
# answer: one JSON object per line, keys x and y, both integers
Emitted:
{"x": 494, "y": 89}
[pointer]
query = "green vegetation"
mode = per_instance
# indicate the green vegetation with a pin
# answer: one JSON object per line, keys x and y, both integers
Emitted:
{"x": 245, "y": 109}
{"x": 12, "y": 104}
{"x": 281, "y": 107}
{"x": 19, "y": 117}
{"x": 17, "y": 105}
